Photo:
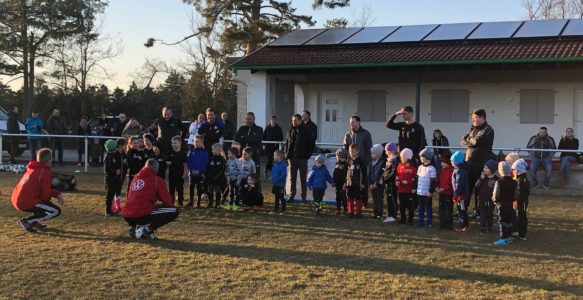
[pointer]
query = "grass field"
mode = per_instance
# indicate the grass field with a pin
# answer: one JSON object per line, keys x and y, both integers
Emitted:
{"x": 214, "y": 254}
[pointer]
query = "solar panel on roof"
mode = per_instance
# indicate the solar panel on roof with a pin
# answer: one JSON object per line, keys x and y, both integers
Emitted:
{"x": 540, "y": 28}
{"x": 296, "y": 37}
{"x": 451, "y": 32}
{"x": 371, "y": 35}
{"x": 575, "y": 27}
{"x": 495, "y": 30}
{"x": 412, "y": 33}
{"x": 333, "y": 36}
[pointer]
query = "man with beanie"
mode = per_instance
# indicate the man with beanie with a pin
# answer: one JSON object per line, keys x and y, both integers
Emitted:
{"x": 541, "y": 141}
{"x": 505, "y": 191}
{"x": 339, "y": 178}
{"x": 319, "y": 175}
{"x": 484, "y": 190}
{"x": 461, "y": 188}
{"x": 426, "y": 185}
{"x": 376, "y": 185}
{"x": 523, "y": 187}
{"x": 478, "y": 142}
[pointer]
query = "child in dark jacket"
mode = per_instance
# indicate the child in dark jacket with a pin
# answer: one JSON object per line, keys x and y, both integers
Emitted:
{"x": 234, "y": 175}
{"x": 484, "y": 192}
{"x": 405, "y": 181}
{"x": 426, "y": 185}
{"x": 505, "y": 191}
{"x": 113, "y": 167}
{"x": 445, "y": 190}
{"x": 147, "y": 151}
{"x": 251, "y": 194}
{"x": 161, "y": 159}
{"x": 339, "y": 178}
{"x": 388, "y": 179}
{"x": 317, "y": 179}
{"x": 177, "y": 170}
{"x": 461, "y": 188}
{"x": 278, "y": 177}
{"x": 521, "y": 221}
{"x": 135, "y": 161}
{"x": 376, "y": 187}
{"x": 215, "y": 180}
{"x": 356, "y": 181}
{"x": 197, "y": 163}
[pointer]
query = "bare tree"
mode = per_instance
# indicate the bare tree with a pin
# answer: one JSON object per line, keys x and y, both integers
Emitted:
{"x": 151, "y": 69}
{"x": 364, "y": 17}
{"x": 553, "y": 9}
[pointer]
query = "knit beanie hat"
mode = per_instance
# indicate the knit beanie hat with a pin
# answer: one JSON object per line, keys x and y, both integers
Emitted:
{"x": 377, "y": 149}
{"x": 150, "y": 138}
{"x": 391, "y": 147}
{"x": 512, "y": 157}
{"x": 341, "y": 153}
{"x": 110, "y": 145}
{"x": 504, "y": 168}
{"x": 492, "y": 165}
{"x": 321, "y": 158}
{"x": 519, "y": 166}
{"x": 427, "y": 153}
{"x": 406, "y": 154}
{"x": 458, "y": 157}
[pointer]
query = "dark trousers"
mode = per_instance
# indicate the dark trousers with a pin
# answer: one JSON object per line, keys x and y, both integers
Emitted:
{"x": 81, "y": 151}
{"x": 521, "y": 218}
{"x": 198, "y": 183}
{"x": 318, "y": 198}
{"x": 112, "y": 187}
{"x": 215, "y": 193}
{"x": 301, "y": 165}
{"x": 176, "y": 186}
{"x": 13, "y": 143}
{"x": 232, "y": 191}
{"x": 377, "y": 194}
{"x": 130, "y": 179}
{"x": 425, "y": 210}
{"x": 391, "y": 194}
{"x": 463, "y": 212}
{"x": 340, "y": 198}
{"x": 445, "y": 211}
{"x": 354, "y": 198}
{"x": 158, "y": 218}
{"x": 486, "y": 207}
{"x": 35, "y": 145}
{"x": 406, "y": 207}
{"x": 278, "y": 192}
{"x": 57, "y": 145}
{"x": 505, "y": 220}
{"x": 269, "y": 150}
{"x": 257, "y": 160}
{"x": 44, "y": 210}
{"x": 473, "y": 176}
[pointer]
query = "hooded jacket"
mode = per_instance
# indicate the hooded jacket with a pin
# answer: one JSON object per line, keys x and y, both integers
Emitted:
{"x": 279, "y": 173}
{"x": 460, "y": 182}
{"x": 145, "y": 190}
{"x": 318, "y": 178}
{"x": 34, "y": 186}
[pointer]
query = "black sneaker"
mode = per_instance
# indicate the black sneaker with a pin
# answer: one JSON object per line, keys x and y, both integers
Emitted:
{"x": 142, "y": 232}
{"x": 23, "y": 223}
{"x": 132, "y": 231}
{"x": 38, "y": 225}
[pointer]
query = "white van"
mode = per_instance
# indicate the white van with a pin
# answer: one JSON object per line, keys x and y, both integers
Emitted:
{"x": 23, "y": 141}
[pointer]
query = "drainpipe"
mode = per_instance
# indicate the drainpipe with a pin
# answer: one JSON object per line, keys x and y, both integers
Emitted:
{"x": 418, "y": 97}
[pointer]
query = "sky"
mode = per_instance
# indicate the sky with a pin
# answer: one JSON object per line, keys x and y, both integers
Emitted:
{"x": 134, "y": 21}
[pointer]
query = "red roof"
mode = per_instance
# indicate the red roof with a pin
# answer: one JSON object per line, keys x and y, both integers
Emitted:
{"x": 505, "y": 51}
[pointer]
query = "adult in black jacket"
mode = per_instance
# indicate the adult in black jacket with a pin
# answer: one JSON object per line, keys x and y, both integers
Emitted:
{"x": 478, "y": 142}
{"x": 311, "y": 126}
{"x": 411, "y": 133}
{"x": 229, "y": 131}
{"x": 167, "y": 127}
{"x": 568, "y": 142}
{"x": 272, "y": 133}
{"x": 12, "y": 126}
{"x": 56, "y": 126}
{"x": 211, "y": 129}
{"x": 250, "y": 135}
{"x": 299, "y": 145}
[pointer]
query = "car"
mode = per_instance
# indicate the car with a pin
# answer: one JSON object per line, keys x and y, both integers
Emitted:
{"x": 22, "y": 142}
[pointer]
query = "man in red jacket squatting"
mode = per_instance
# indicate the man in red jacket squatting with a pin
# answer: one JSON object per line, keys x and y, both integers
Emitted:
{"x": 149, "y": 205}
{"x": 34, "y": 191}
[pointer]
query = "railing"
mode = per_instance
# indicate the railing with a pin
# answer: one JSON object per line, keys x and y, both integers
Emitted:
{"x": 518, "y": 149}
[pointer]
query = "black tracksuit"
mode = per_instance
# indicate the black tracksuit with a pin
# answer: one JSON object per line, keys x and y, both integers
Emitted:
{"x": 250, "y": 136}
{"x": 113, "y": 167}
{"x": 215, "y": 179}
{"x": 339, "y": 178}
{"x": 478, "y": 141}
{"x": 271, "y": 133}
{"x": 378, "y": 189}
{"x": 135, "y": 164}
{"x": 176, "y": 168}
{"x": 251, "y": 196}
{"x": 356, "y": 181}
{"x": 504, "y": 194}
{"x": 411, "y": 136}
{"x": 388, "y": 178}
{"x": 162, "y": 166}
{"x": 521, "y": 221}
{"x": 484, "y": 192}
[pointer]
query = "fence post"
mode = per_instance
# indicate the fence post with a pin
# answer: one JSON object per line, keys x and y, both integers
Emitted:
{"x": 1, "y": 148}
{"x": 86, "y": 153}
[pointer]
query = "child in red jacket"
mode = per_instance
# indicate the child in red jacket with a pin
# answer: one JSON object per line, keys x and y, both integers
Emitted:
{"x": 445, "y": 190}
{"x": 34, "y": 191}
{"x": 405, "y": 182}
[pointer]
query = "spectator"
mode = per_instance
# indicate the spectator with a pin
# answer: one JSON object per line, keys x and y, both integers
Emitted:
{"x": 478, "y": 142}
{"x": 56, "y": 126}
{"x": 440, "y": 140}
{"x": 541, "y": 141}
{"x": 133, "y": 128}
{"x": 193, "y": 130}
{"x": 105, "y": 129}
{"x": 311, "y": 126}
{"x": 299, "y": 145}
{"x": 167, "y": 126}
{"x": 211, "y": 130}
{"x": 13, "y": 127}
{"x": 249, "y": 135}
{"x": 411, "y": 133}
{"x": 568, "y": 142}
{"x": 272, "y": 133}
{"x": 229, "y": 132}
{"x": 34, "y": 125}
{"x": 82, "y": 129}
{"x": 361, "y": 137}
{"x": 120, "y": 125}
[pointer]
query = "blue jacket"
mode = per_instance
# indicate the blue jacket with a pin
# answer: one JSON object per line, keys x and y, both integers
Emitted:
{"x": 278, "y": 173}
{"x": 198, "y": 159}
{"x": 460, "y": 182}
{"x": 34, "y": 126}
{"x": 318, "y": 178}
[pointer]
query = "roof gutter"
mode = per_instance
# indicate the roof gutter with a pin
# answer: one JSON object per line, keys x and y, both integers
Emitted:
{"x": 236, "y": 68}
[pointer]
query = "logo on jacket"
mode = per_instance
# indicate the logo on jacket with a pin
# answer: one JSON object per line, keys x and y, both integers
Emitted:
{"x": 138, "y": 185}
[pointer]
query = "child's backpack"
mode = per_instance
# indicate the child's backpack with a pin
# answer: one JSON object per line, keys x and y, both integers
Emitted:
{"x": 64, "y": 182}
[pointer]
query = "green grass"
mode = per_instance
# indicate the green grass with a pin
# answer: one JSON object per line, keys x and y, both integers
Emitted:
{"x": 216, "y": 254}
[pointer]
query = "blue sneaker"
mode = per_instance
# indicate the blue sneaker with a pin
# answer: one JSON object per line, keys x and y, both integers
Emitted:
{"x": 502, "y": 242}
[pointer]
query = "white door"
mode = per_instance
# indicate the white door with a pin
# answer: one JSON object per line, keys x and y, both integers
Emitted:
{"x": 331, "y": 119}
{"x": 579, "y": 114}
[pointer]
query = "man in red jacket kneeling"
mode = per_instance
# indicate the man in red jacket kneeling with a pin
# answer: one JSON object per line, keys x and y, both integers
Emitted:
{"x": 149, "y": 205}
{"x": 34, "y": 191}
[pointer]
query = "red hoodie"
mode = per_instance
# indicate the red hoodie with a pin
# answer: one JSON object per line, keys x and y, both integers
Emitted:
{"x": 444, "y": 181}
{"x": 146, "y": 189}
{"x": 405, "y": 173}
{"x": 34, "y": 186}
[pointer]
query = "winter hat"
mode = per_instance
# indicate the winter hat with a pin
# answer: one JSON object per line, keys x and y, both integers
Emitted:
{"x": 341, "y": 153}
{"x": 458, "y": 157}
{"x": 110, "y": 145}
{"x": 504, "y": 168}
{"x": 406, "y": 154}
{"x": 391, "y": 147}
{"x": 377, "y": 149}
{"x": 150, "y": 138}
{"x": 321, "y": 158}
{"x": 512, "y": 157}
{"x": 519, "y": 166}
{"x": 492, "y": 165}
{"x": 427, "y": 153}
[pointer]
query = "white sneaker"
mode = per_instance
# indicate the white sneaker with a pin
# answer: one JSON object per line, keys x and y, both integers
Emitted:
{"x": 140, "y": 231}
{"x": 389, "y": 220}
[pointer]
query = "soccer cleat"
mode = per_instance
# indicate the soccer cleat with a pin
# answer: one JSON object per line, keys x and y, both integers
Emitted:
{"x": 23, "y": 223}
{"x": 389, "y": 220}
{"x": 38, "y": 225}
{"x": 546, "y": 187}
{"x": 132, "y": 231}
{"x": 501, "y": 242}
{"x": 235, "y": 207}
{"x": 522, "y": 238}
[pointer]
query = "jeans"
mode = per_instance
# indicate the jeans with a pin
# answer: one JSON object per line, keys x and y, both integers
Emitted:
{"x": 566, "y": 162}
{"x": 35, "y": 145}
{"x": 547, "y": 165}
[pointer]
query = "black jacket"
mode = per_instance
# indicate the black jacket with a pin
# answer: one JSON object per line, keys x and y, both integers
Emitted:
{"x": 538, "y": 142}
{"x": 162, "y": 166}
{"x": 212, "y": 133}
{"x": 167, "y": 129}
{"x": 272, "y": 133}
{"x": 12, "y": 125}
{"x": 250, "y": 137}
{"x": 215, "y": 172}
{"x": 485, "y": 188}
{"x": 478, "y": 141}
{"x": 569, "y": 144}
{"x": 229, "y": 132}
{"x": 113, "y": 162}
{"x": 357, "y": 174}
{"x": 363, "y": 139}
{"x": 56, "y": 125}
{"x": 135, "y": 161}
{"x": 339, "y": 175}
{"x": 298, "y": 143}
{"x": 411, "y": 136}
{"x": 312, "y": 129}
